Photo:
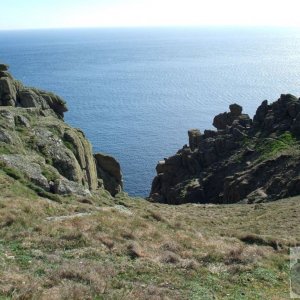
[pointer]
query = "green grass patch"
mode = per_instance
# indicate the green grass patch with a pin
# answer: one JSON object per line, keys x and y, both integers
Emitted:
{"x": 70, "y": 146}
{"x": 6, "y": 149}
{"x": 11, "y": 172}
{"x": 50, "y": 174}
{"x": 269, "y": 148}
{"x": 17, "y": 175}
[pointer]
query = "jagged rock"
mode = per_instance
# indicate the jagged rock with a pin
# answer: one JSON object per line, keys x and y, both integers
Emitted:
{"x": 190, "y": 161}
{"x": 293, "y": 109}
{"x": 160, "y": 168}
{"x": 8, "y": 92}
{"x": 235, "y": 109}
{"x": 225, "y": 119}
{"x": 261, "y": 112}
{"x": 13, "y": 93}
{"x": 245, "y": 121}
{"x": 296, "y": 125}
{"x": 194, "y": 138}
{"x": 3, "y": 67}
{"x": 243, "y": 161}
{"x": 108, "y": 168}
{"x": 238, "y": 134}
{"x": 222, "y": 120}
{"x": 210, "y": 133}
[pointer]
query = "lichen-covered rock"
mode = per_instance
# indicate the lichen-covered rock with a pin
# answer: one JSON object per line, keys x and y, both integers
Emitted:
{"x": 83, "y": 152}
{"x": 14, "y": 93}
{"x": 29, "y": 166}
{"x": 67, "y": 187}
{"x": 35, "y": 141}
{"x": 8, "y": 92}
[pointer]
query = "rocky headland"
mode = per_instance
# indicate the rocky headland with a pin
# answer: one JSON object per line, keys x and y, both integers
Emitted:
{"x": 48, "y": 155}
{"x": 244, "y": 160}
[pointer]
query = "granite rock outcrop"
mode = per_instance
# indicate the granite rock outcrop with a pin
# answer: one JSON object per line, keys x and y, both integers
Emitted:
{"x": 50, "y": 154}
{"x": 244, "y": 160}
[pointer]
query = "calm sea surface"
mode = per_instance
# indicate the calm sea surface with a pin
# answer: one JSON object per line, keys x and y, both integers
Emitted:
{"x": 136, "y": 92}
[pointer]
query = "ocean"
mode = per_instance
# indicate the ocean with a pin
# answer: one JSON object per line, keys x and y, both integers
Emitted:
{"x": 136, "y": 92}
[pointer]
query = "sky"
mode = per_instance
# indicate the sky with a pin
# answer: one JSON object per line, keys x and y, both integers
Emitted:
{"x": 34, "y": 14}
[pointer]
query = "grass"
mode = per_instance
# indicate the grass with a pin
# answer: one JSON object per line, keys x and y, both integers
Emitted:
{"x": 270, "y": 147}
{"x": 54, "y": 247}
{"x": 70, "y": 146}
{"x": 50, "y": 174}
{"x": 156, "y": 252}
{"x": 6, "y": 149}
{"x": 17, "y": 175}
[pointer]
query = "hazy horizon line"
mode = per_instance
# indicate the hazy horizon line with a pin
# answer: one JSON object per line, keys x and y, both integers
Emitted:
{"x": 158, "y": 27}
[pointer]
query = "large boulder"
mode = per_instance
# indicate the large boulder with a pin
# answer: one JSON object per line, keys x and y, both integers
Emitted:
{"x": 235, "y": 109}
{"x": 8, "y": 92}
{"x": 194, "y": 138}
{"x": 109, "y": 170}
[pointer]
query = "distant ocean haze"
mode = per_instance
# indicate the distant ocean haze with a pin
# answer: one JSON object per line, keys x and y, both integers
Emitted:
{"x": 136, "y": 92}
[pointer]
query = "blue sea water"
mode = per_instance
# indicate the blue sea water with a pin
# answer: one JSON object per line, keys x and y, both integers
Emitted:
{"x": 136, "y": 92}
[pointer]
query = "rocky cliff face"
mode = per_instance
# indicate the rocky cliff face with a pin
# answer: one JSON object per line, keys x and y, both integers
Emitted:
{"x": 244, "y": 160}
{"x": 51, "y": 155}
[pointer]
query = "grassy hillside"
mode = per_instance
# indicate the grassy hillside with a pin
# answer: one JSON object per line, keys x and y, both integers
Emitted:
{"x": 132, "y": 249}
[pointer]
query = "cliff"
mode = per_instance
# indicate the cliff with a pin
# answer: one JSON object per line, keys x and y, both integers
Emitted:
{"x": 244, "y": 160}
{"x": 37, "y": 146}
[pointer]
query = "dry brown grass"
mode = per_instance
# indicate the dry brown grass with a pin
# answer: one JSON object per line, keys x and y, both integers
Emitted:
{"x": 157, "y": 252}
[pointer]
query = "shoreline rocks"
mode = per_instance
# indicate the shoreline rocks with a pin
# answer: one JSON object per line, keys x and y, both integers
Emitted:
{"x": 244, "y": 160}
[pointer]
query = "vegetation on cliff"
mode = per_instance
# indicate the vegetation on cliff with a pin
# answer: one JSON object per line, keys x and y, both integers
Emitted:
{"x": 53, "y": 158}
{"x": 245, "y": 160}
